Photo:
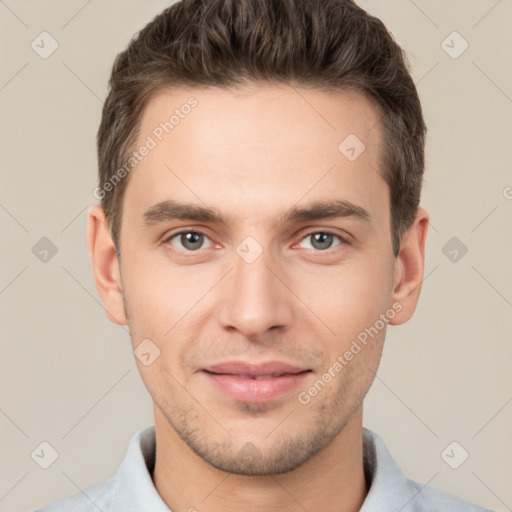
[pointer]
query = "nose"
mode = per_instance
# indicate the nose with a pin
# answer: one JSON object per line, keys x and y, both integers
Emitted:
{"x": 255, "y": 299}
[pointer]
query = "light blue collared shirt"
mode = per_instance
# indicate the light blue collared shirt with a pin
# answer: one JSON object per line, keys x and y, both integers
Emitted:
{"x": 131, "y": 489}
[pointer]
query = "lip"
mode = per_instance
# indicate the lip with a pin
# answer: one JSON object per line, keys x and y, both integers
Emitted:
{"x": 249, "y": 382}
{"x": 254, "y": 369}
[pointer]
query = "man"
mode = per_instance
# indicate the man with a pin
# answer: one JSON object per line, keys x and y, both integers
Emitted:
{"x": 260, "y": 176}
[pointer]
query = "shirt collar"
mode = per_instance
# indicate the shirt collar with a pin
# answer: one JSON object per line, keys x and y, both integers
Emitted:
{"x": 390, "y": 490}
{"x": 135, "y": 491}
{"x": 134, "y": 486}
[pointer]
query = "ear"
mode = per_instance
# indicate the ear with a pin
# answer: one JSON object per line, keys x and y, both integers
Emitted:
{"x": 409, "y": 267}
{"x": 105, "y": 265}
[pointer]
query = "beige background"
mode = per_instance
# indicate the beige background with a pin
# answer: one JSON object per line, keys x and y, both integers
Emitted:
{"x": 68, "y": 376}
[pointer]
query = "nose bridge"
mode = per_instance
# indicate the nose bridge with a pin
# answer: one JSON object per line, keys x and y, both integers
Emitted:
{"x": 253, "y": 299}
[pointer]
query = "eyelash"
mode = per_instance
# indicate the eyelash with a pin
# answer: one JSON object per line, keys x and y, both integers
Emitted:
{"x": 343, "y": 240}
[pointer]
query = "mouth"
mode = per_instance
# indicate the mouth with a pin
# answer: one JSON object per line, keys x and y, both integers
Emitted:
{"x": 254, "y": 377}
{"x": 256, "y": 383}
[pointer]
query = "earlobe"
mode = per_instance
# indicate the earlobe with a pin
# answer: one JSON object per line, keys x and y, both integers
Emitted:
{"x": 409, "y": 268}
{"x": 105, "y": 265}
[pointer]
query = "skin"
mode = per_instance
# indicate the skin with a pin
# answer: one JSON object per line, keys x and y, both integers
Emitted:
{"x": 253, "y": 154}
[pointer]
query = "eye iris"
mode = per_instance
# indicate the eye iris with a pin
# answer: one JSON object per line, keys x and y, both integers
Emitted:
{"x": 192, "y": 240}
{"x": 321, "y": 240}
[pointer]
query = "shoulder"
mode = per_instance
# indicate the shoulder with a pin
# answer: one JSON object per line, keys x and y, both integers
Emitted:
{"x": 390, "y": 490}
{"x": 93, "y": 499}
{"x": 428, "y": 498}
{"x": 131, "y": 488}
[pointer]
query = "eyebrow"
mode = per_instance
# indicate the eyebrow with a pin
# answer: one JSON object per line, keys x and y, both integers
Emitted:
{"x": 173, "y": 210}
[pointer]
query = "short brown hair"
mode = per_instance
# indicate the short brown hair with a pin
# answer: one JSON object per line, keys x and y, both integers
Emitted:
{"x": 329, "y": 45}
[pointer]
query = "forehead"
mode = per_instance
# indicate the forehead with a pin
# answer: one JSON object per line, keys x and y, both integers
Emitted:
{"x": 261, "y": 146}
{"x": 256, "y": 114}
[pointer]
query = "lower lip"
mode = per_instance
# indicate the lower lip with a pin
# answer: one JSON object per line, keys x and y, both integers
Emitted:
{"x": 255, "y": 390}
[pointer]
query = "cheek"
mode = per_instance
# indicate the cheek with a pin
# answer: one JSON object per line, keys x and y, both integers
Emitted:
{"x": 348, "y": 297}
{"x": 165, "y": 303}
{"x": 150, "y": 298}
{"x": 355, "y": 362}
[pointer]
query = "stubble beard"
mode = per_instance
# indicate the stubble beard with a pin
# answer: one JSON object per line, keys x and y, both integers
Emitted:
{"x": 250, "y": 458}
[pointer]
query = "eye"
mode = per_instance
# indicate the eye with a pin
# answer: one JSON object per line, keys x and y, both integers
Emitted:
{"x": 322, "y": 240}
{"x": 190, "y": 240}
{"x": 193, "y": 240}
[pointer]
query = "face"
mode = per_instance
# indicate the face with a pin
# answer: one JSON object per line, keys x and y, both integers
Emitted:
{"x": 254, "y": 254}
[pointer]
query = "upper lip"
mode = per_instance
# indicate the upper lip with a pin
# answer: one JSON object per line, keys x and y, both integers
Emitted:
{"x": 252, "y": 369}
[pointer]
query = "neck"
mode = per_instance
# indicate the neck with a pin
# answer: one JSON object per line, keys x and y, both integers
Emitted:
{"x": 332, "y": 481}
